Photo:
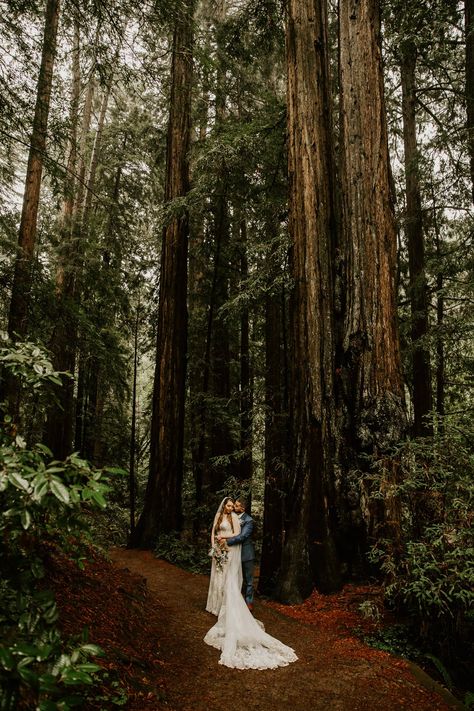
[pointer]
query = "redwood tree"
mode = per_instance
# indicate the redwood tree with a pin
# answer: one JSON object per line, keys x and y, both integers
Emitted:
{"x": 309, "y": 553}
{"x": 162, "y": 507}
{"x": 421, "y": 366}
{"x": 369, "y": 359}
{"x": 17, "y": 322}
{"x": 469, "y": 33}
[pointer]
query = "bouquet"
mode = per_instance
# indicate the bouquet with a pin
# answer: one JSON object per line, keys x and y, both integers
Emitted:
{"x": 220, "y": 553}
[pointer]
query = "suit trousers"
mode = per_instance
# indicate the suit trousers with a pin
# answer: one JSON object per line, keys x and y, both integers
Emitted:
{"x": 247, "y": 570}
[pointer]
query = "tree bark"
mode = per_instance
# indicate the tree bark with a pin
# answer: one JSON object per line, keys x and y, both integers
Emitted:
{"x": 369, "y": 363}
{"x": 246, "y": 394}
{"x": 133, "y": 433}
{"x": 440, "y": 356}
{"x": 64, "y": 339}
{"x": 469, "y": 36}
{"x": 421, "y": 366}
{"x": 162, "y": 508}
{"x": 309, "y": 553}
{"x": 275, "y": 439}
{"x": 18, "y": 315}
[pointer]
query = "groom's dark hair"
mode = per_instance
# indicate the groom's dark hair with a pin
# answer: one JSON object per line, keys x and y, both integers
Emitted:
{"x": 243, "y": 501}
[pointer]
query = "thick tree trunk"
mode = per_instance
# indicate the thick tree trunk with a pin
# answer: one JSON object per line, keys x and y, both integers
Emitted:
{"x": 162, "y": 508}
{"x": 421, "y": 367}
{"x": 469, "y": 34}
{"x": 369, "y": 364}
{"x": 309, "y": 553}
{"x": 17, "y": 322}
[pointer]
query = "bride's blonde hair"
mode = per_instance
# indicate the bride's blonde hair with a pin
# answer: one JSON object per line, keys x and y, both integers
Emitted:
{"x": 221, "y": 515}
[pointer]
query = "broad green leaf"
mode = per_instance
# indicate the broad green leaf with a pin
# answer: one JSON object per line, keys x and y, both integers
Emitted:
{"x": 18, "y": 481}
{"x": 41, "y": 489}
{"x": 25, "y": 519}
{"x": 60, "y": 491}
{"x": 99, "y": 499}
{"x": 43, "y": 448}
{"x": 90, "y": 648}
{"x": 71, "y": 676}
{"x": 89, "y": 667}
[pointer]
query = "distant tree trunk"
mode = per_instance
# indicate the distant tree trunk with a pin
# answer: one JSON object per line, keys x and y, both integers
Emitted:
{"x": 246, "y": 394}
{"x": 22, "y": 277}
{"x": 212, "y": 419}
{"x": 59, "y": 425}
{"x": 440, "y": 358}
{"x": 133, "y": 434}
{"x": 80, "y": 404}
{"x": 275, "y": 441}
{"x": 469, "y": 35}
{"x": 369, "y": 363}
{"x": 309, "y": 554}
{"x": 17, "y": 323}
{"x": 421, "y": 367}
{"x": 162, "y": 508}
{"x": 64, "y": 339}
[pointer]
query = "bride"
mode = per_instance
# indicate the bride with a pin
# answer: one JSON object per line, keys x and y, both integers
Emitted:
{"x": 237, "y": 634}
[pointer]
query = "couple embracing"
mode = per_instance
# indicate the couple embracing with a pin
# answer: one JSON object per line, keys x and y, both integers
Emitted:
{"x": 241, "y": 638}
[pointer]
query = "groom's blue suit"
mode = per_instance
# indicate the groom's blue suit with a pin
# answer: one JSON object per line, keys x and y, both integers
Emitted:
{"x": 247, "y": 553}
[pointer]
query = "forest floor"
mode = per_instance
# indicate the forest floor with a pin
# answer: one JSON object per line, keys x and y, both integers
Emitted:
{"x": 149, "y": 617}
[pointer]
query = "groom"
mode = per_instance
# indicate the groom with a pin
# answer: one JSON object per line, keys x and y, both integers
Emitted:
{"x": 248, "y": 551}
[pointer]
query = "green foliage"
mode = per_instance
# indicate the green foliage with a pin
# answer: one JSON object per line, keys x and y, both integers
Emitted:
{"x": 43, "y": 504}
{"x": 395, "y": 639}
{"x": 430, "y": 567}
{"x": 183, "y": 553}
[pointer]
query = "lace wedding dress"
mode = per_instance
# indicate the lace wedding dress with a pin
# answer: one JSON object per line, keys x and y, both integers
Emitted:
{"x": 219, "y": 575}
{"x": 242, "y": 640}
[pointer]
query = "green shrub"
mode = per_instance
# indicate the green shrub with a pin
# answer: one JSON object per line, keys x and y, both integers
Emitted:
{"x": 43, "y": 503}
{"x": 183, "y": 553}
{"x": 429, "y": 569}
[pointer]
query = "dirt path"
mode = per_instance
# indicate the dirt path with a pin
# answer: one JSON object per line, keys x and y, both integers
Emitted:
{"x": 333, "y": 672}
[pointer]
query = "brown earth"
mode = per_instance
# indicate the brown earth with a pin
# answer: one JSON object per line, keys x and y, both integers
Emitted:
{"x": 334, "y": 671}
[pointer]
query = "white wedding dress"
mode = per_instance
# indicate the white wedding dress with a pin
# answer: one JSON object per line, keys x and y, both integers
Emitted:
{"x": 242, "y": 640}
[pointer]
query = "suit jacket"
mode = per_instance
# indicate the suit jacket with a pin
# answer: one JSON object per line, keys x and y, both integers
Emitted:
{"x": 244, "y": 538}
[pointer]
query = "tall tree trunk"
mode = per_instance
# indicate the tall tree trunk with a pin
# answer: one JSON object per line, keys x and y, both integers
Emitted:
{"x": 309, "y": 553}
{"x": 421, "y": 367}
{"x": 162, "y": 508}
{"x": 17, "y": 322}
{"x": 440, "y": 357}
{"x": 275, "y": 438}
{"x": 64, "y": 340}
{"x": 80, "y": 404}
{"x": 133, "y": 434}
{"x": 369, "y": 359}
{"x": 59, "y": 425}
{"x": 469, "y": 35}
{"x": 246, "y": 394}
{"x": 22, "y": 277}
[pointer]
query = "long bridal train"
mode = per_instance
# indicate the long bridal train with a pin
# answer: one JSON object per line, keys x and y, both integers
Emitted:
{"x": 241, "y": 638}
